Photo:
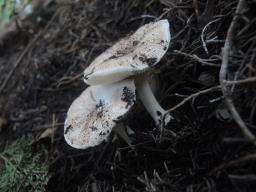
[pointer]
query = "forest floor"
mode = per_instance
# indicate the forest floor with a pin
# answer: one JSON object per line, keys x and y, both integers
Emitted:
{"x": 206, "y": 80}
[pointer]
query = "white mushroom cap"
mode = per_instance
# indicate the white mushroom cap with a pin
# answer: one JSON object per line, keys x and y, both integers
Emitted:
{"x": 92, "y": 116}
{"x": 131, "y": 55}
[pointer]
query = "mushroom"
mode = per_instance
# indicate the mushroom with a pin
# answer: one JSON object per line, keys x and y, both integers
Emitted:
{"x": 133, "y": 57}
{"x": 93, "y": 115}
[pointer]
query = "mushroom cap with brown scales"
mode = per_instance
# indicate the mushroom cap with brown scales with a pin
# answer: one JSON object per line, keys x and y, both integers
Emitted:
{"x": 93, "y": 115}
{"x": 131, "y": 55}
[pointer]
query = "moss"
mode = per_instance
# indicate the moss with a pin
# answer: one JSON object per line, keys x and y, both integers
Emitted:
{"x": 22, "y": 169}
{"x": 8, "y": 8}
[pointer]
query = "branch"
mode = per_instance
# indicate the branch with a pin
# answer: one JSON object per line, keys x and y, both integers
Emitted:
{"x": 242, "y": 81}
{"x": 202, "y": 34}
{"x": 216, "y": 88}
{"x": 224, "y": 71}
{"x": 196, "y": 58}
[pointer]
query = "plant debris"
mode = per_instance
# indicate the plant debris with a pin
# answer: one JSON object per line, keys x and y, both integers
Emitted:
{"x": 208, "y": 146}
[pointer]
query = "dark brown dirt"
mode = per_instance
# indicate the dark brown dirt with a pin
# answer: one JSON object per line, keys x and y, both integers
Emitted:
{"x": 202, "y": 149}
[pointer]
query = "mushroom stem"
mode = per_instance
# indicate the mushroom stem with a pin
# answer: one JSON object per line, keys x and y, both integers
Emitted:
{"x": 149, "y": 101}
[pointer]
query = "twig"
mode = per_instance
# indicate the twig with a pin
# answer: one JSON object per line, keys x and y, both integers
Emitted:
{"x": 242, "y": 81}
{"x": 224, "y": 71}
{"x": 171, "y": 9}
{"x": 22, "y": 55}
{"x": 195, "y": 57}
{"x": 141, "y": 17}
{"x": 202, "y": 34}
{"x": 250, "y": 157}
{"x": 195, "y": 5}
{"x": 43, "y": 127}
{"x": 244, "y": 178}
{"x": 18, "y": 61}
{"x": 231, "y": 140}
{"x": 216, "y": 88}
{"x": 68, "y": 80}
{"x": 214, "y": 40}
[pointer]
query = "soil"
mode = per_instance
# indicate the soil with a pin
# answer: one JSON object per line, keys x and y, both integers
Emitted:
{"x": 202, "y": 149}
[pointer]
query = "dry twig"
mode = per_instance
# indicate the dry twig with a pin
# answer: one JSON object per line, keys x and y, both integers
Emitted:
{"x": 224, "y": 72}
{"x": 250, "y": 157}
{"x": 242, "y": 81}
{"x": 202, "y": 34}
{"x": 196, "y": 58}
{"x": 216, "y": 88}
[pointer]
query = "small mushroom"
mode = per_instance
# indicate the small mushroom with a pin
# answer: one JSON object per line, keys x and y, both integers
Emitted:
{"x": 93, "y": 115}
{"x": 133, "y": 56}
